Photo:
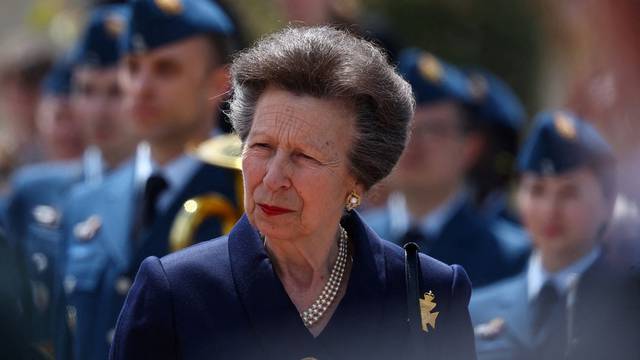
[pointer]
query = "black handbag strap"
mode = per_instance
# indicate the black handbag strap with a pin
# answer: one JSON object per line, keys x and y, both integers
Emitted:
{"x": 412, "y": 274}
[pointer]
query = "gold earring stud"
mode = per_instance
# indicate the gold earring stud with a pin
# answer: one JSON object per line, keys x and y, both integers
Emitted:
{"x": 353, "y": 201}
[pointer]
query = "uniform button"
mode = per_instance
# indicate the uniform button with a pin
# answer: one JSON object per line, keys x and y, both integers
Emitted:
{"x": 72, "y": 317}
{"x": 46, "y": 215}
{"x": 41, "y": 296}
{"x": 40, "y": 260}
{"x": 110, "y": 334}
{"x": 69, "y": 284}
{"x": 123, "y": 284}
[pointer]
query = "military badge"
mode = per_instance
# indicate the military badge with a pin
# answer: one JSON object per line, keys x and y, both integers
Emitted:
{"x": 565, "y": 126}
{"x": 46, "y": 215}
{"x": 427, "y": 304}
{"x": 114, "y": 25}
{"x": 430, "y": 68}
{"x": 490, "y": 329}
{"x": 170, "y": 7}
{"x": 478, "y": 87}
{"x": 87, "y": 229}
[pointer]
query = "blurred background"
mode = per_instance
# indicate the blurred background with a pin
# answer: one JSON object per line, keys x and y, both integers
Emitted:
{"x": 576, "y": 53}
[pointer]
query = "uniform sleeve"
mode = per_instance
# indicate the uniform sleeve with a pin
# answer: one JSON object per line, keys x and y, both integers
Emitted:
{"x": 461, "y": 345}
{"x": 145, "y": 328}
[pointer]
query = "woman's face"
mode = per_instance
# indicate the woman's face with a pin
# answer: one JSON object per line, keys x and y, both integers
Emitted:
{"x": 295, "y": 165}
{"x": 563, "y": 213}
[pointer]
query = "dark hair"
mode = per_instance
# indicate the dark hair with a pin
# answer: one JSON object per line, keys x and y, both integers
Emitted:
{"x": 328, "y": 63}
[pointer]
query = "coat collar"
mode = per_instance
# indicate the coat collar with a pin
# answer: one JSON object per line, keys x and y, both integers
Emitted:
{"x": 274, "y": 317}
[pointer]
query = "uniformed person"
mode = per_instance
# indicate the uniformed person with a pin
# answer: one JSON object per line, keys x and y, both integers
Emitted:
{"x": 431, "y": 204}
{"x": 33, "y": 213}
{"x": 500, "y": 118}
{"x": 97, "y": 97}
{"x": 569, "y": 303}
{"x": 174, "y": 79}
{"x": 57, "y": 123}
{"x": 35, "y": 206}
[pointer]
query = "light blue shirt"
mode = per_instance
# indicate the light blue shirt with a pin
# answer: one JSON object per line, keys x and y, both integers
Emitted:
{"x": 564, "y": 279}
{"x": 177, "y": 173}
{"x": 431, "y": 224}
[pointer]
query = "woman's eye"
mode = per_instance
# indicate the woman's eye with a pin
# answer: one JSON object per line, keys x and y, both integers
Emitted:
{"x": 261, "y": 146}
{"x": 306, "y": 157}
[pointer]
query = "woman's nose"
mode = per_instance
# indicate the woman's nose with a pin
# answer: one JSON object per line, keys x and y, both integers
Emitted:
{"x": 277, "y": 175}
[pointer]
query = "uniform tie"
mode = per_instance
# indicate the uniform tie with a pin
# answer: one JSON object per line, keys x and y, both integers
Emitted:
{"x": 548, "y": 298}
{"x": 155, "y": 185}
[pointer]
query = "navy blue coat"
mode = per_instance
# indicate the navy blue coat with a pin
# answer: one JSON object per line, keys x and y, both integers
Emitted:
{"x": 223, "y": 300}
{"x": 99, "y": 266}
{"x": 465, "y": 239}
{"x": 605, "y": 326}
{"x": 34, "y": 214}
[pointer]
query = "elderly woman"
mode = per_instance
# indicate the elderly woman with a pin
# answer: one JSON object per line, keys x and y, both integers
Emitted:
{"x": 322, "y": 117}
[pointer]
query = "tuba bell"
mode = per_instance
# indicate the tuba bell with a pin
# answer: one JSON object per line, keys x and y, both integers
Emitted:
{"x": 223, "y": 151}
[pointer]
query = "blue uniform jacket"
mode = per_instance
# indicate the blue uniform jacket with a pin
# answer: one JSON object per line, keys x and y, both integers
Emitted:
{"x": 34, "y": 214}
{"x": 467, "y": 240}
{"x": 223, "y": 300}
{"x": 605, "y": 318}
{"x": 101, "y": 255}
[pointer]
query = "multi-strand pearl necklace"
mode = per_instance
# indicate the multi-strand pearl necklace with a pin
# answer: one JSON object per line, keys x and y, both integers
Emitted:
{"x": 331, "y": 288}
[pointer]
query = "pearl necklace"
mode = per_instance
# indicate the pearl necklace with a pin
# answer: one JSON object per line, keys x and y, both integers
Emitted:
{"x": 331, "y": 288}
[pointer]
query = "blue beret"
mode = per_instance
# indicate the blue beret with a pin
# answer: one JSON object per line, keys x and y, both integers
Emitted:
{"x": 432, "y": 79}
{"x": 155, "y": 23}
{"x": 496, "y": 103}
{"x": 57, "y": 82}
{"x": 559, "y": 142}
{"x": 99, "y": 45}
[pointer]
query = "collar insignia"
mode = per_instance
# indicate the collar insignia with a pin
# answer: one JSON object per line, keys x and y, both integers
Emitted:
{"x": 489, "y": 330}
{"x": 87, "y": 229}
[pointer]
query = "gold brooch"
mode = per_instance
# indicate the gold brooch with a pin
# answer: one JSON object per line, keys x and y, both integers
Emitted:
{"x": 430, "y": 68}
{"x": 170, "y": 7}
{"x": 427, "y": 304}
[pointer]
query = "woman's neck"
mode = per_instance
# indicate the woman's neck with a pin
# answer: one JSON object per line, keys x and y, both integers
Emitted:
{"x": 304, "y": 262}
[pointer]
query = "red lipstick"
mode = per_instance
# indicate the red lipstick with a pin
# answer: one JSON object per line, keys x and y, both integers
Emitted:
{"x": 273, "y": 210}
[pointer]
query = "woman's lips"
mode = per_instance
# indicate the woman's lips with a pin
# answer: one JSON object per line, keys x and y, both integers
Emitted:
{"x": 273, "y": 210}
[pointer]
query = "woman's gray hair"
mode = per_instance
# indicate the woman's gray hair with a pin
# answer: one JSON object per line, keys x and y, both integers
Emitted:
{"x": 328, "y": 63}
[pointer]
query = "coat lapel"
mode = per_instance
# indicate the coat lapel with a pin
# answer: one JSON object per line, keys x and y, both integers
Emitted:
{"x": 273, "y": 316}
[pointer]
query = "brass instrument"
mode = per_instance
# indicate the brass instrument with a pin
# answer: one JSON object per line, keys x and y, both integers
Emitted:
{"x": 224, "y": 151}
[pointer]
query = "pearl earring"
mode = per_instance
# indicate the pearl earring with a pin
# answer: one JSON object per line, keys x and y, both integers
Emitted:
{"x": 353, "y": 201}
